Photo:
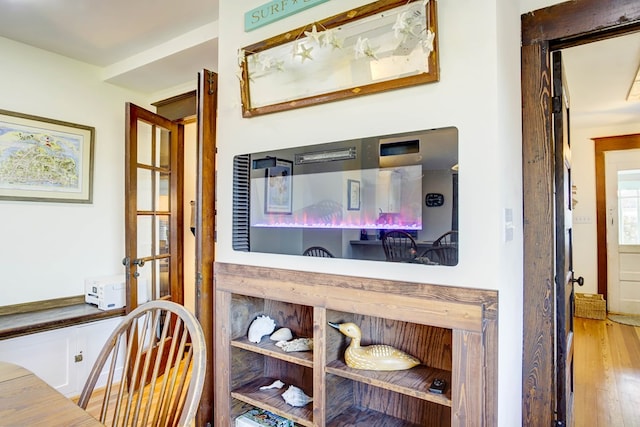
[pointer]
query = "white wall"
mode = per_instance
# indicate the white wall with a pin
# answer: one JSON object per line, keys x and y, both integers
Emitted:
{"x": 479, "y": 93}
{"x": 585, "y": 241}
{"x": 48, "y": 249}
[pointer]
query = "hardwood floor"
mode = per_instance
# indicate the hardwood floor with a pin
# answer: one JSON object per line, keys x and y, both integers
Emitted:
{"x": 607, "y": 374}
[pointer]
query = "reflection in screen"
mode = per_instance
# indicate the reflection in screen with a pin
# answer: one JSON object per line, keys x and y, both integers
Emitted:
{"x": 388, "y": 198}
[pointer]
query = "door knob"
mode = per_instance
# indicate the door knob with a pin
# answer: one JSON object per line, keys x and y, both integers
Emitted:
{"x": 579, "y": 281}
{"x": 139, "y": 262}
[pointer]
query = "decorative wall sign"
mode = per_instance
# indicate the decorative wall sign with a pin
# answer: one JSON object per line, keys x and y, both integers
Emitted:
{"x": 388, "y": 44}
{"x": 274, "y": 11}
{"x": 45, "y": 160}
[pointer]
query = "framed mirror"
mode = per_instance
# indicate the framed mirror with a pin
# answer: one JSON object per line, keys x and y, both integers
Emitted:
{"x": 384, "y": 45}
{"x": 353, "y": 198}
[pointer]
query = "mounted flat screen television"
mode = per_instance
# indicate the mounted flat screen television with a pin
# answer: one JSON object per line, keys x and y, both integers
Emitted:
{"x": 386, "y": 198}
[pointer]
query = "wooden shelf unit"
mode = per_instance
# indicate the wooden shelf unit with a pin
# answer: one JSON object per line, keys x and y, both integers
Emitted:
{"x": 453, "y": 331}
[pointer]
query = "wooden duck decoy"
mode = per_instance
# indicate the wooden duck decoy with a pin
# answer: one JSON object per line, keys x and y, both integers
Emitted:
{"x": 377, "y": 357}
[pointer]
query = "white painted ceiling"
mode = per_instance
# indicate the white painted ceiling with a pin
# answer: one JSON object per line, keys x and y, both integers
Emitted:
{"x": 146, "y": 45}
{"x": 153, "y": 45}
{"x": 599, "y": 76}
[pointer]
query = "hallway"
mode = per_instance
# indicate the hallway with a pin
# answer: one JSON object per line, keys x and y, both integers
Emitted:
{"x": 607, "y": 374}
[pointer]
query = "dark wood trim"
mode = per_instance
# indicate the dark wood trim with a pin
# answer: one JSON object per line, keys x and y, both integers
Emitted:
{"x": 576, "y": 22}
{"x": 29, "y": 307}
{"x": 602, "y": 145}
{"x": 570, "y": 23}
{"x": 178, "y": 107}
{"x": 206, "y": 231}
{"x": 539, "y": 330}
{"x": 49, "y": 317}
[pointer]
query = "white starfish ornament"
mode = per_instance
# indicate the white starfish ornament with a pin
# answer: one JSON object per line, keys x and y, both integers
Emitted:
{"x": 241, "y": 56}
{"x": 363, "y": 48}
{"x": 427, "y": 43}
{"x": 266, "y": 62}
{"x": 305, "y": 52}
{"x": 401, "y": 27}
{"x": 331, "y": 39}
{"x": 314, "y": 34}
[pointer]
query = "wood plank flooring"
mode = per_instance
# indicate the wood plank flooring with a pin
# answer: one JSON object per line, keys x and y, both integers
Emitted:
{"x": 607, "y": 374}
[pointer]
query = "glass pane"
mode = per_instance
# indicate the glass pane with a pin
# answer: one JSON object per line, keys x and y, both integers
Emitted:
{"x": 164, "y": 148}
{"x": 628, "y": 207}
{"x": 144, "y": 236}
{"x": 144, "y": 143}
{"x": 162, "y": 276}
{"x": 162, "y": 234}
{"x": 145, "y": 190}
{"x": 164, "y": 186}
{"x": 144, "y": 283}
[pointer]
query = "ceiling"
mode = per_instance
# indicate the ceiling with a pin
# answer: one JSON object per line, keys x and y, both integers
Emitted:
{"x": 153, "y": 45}
{"x": 599, "y": 76}
{"x": 144, "y": 45}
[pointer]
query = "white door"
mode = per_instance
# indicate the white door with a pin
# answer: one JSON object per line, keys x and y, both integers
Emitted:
{"x": 622, "y": 175}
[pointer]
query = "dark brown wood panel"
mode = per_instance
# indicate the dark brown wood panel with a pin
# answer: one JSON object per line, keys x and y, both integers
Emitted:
{"x": 178, "y": 107}
{"x": 539, "y": 329}
{"x": 579, "y": 20}
{"x": 206, "y": 231}
{"x": 602, "y": 145}
{"x": 33, "y": 322}
{"x": 235, "y": 274}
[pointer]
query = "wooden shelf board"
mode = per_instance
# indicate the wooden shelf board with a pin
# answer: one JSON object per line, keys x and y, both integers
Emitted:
{"x": 358, "y": 417}
{"x": 268, "y": 348}
{"x": 411, "y": 382}
{"x": 272, "y": 401}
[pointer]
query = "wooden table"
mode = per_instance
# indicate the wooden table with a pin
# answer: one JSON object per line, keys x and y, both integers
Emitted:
{"x": 26, "y": 400}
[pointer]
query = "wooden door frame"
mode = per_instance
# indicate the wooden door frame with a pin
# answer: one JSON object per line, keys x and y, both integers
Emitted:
{"x": 602, "y": 145}
{"x": 206, "y": 231}
{"x": 563, "y": 25}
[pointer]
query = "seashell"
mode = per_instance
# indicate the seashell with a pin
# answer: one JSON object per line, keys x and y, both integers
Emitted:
{"x": 261, "y": 326}
{"x": 275, "y": 384}
{"x": 282, "y": 334}
{"x": 295, "y": 396}
{"x": 299, "y": 344}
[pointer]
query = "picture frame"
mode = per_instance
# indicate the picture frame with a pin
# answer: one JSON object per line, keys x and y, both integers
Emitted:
{"x": 353, "y": 195}
{"x": 384, "y": 45}
{"x": 278, "y": 188}
{"x": 45, "y": 160}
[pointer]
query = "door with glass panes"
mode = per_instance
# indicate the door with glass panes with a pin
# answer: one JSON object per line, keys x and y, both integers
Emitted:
{"x": 153, "y": 213}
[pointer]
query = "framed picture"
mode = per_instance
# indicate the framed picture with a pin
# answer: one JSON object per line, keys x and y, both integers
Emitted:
{"x": 353, "y": 195}
{"x": 44, "y": 159}
{"x": 278, "y": 188}
{"x": 380, "y": 46}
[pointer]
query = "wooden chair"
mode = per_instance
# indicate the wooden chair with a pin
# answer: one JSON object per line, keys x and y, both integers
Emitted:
{"x": 156, "y": 362}
{"x": 448, "y": 238}
{"x": 318, "y": 251}
{"x": 399, "y": 246}
{"x": 442, "y": 255}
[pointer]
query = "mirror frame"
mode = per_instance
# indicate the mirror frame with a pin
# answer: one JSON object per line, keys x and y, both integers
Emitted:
{"x": 334, "y": 22}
